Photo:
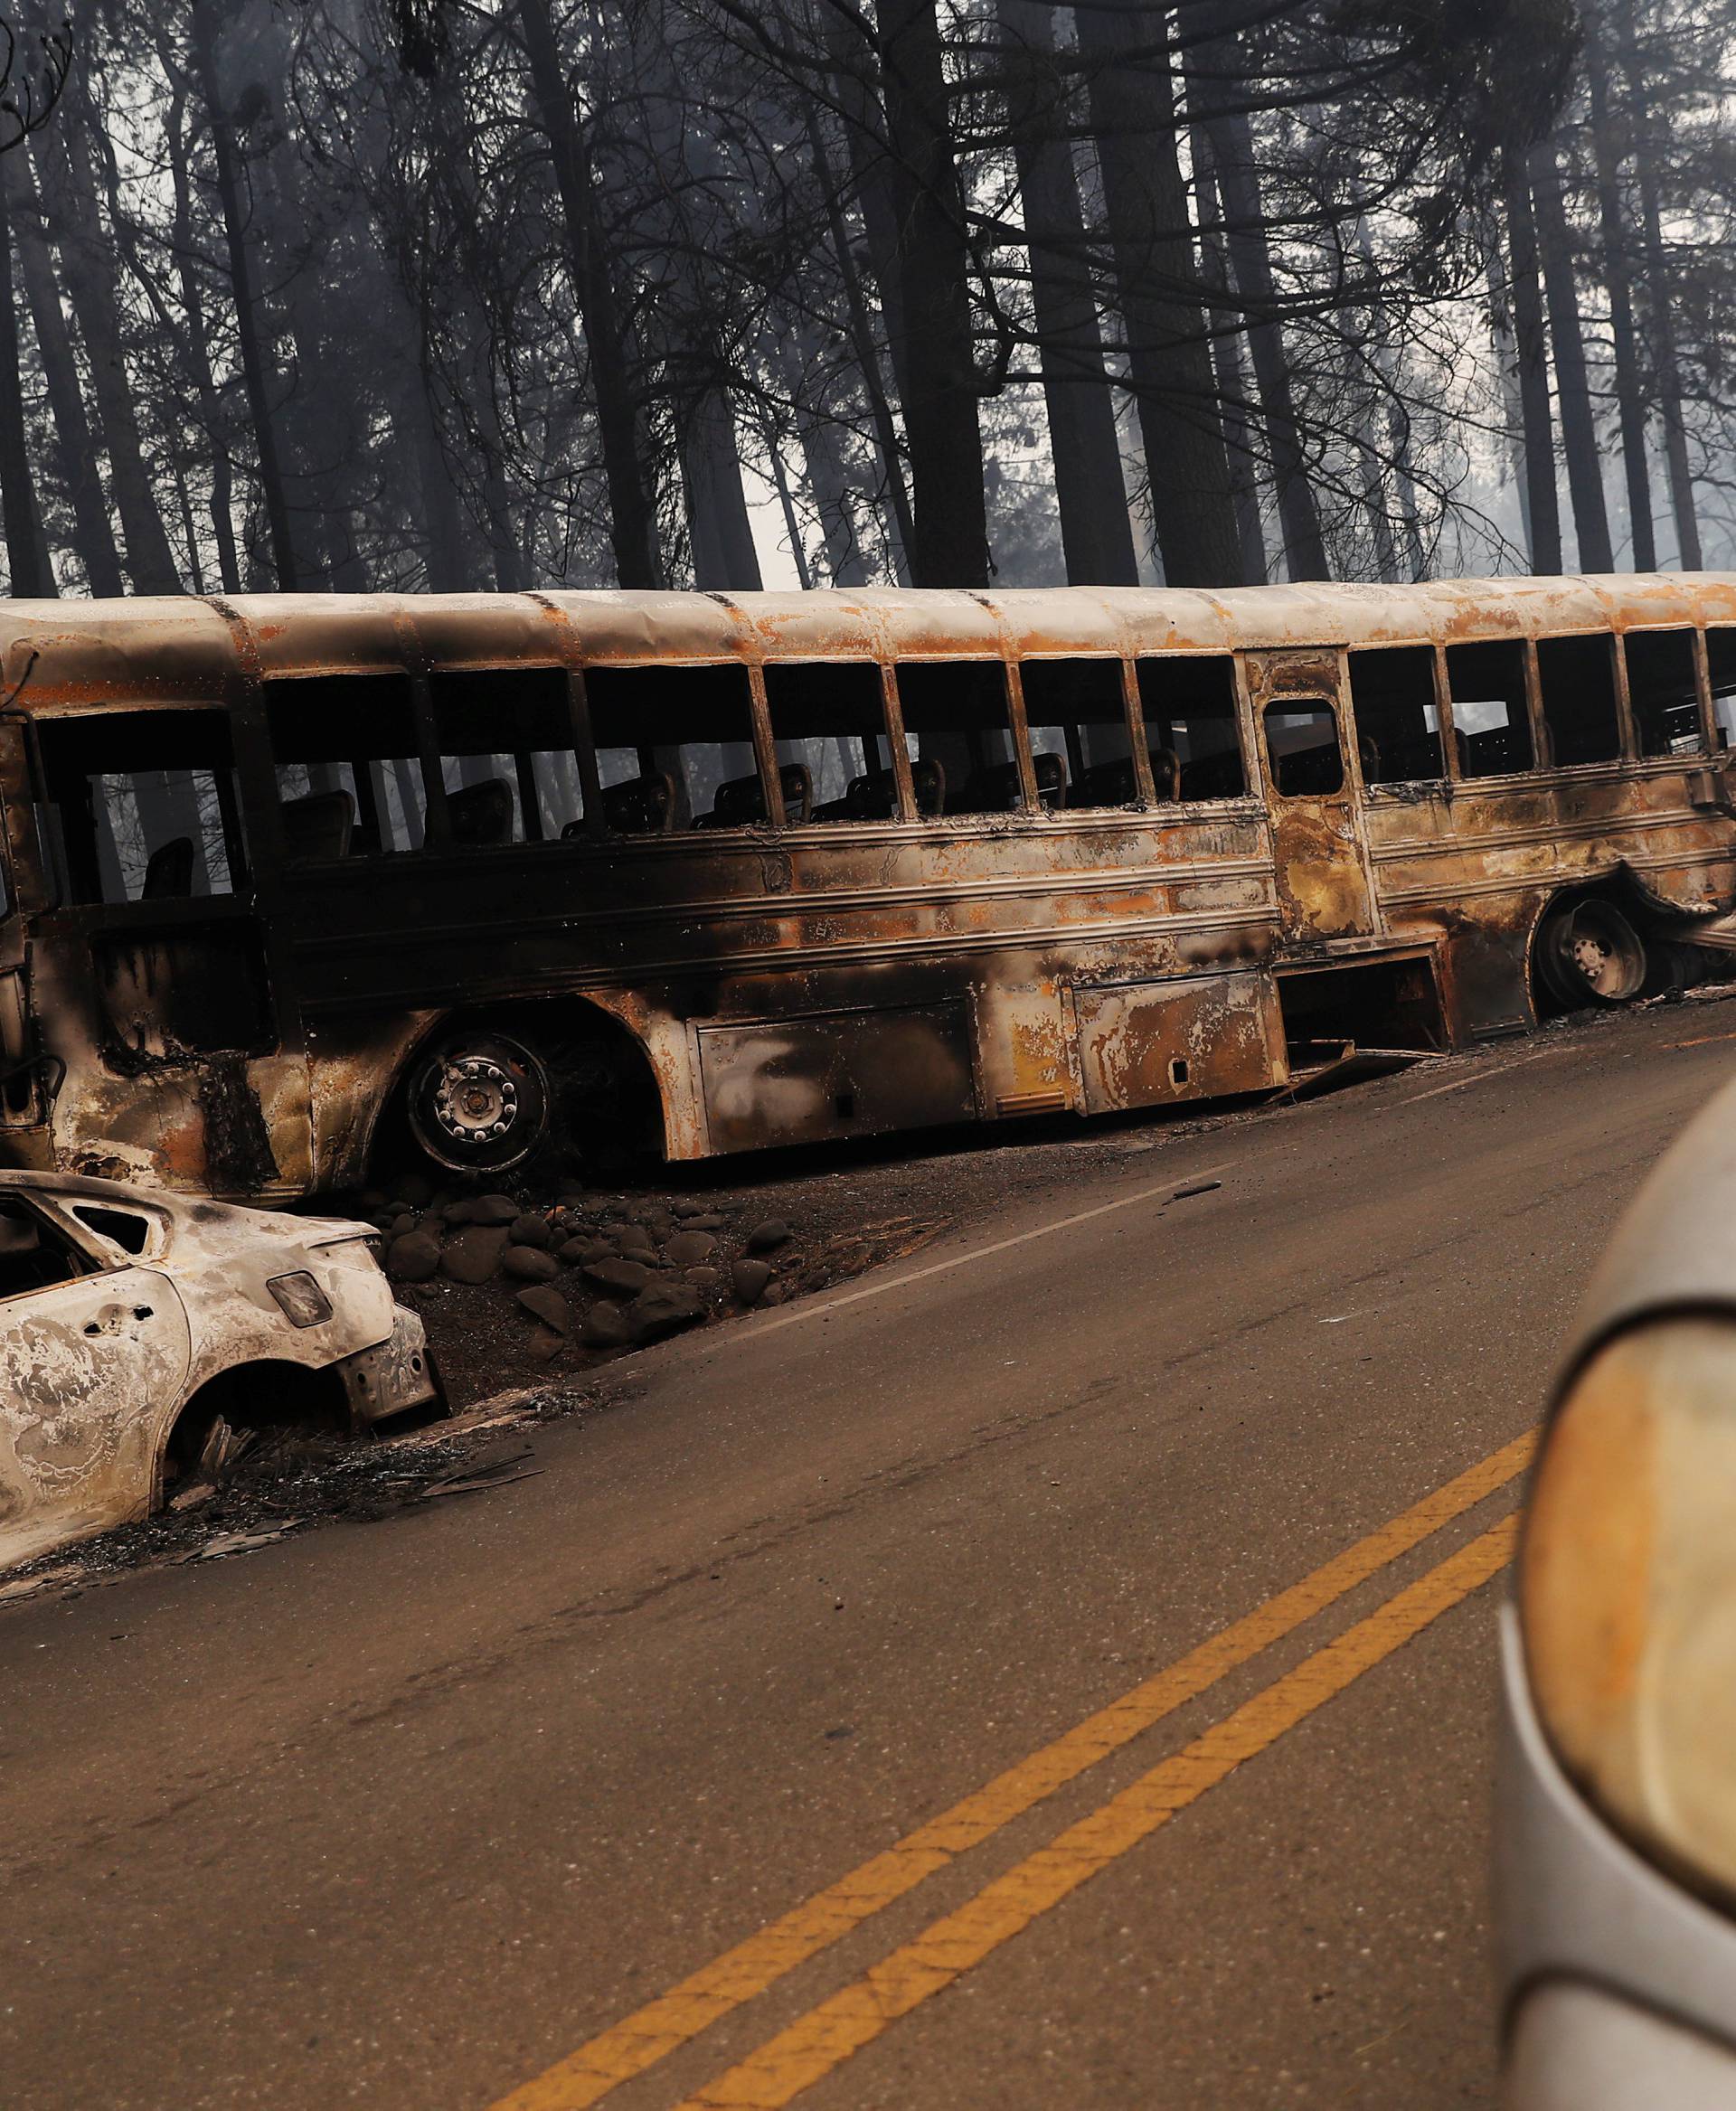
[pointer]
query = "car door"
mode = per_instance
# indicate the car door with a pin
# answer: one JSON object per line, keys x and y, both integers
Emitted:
{"x": 90, "y": 1366}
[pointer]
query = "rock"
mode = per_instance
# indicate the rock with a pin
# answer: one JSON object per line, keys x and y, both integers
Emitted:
{"x": 709, "y": 1220}
{"x": 625, "y": 1277}
{"x": 623, "y": 1236}
{"x": 663, "y": 1309}
{"x": 749, "y": 1278}
{"x": 606, "y": 1327}
{"x": 474, "y": 1254}
{"x": 414, "y": 1258}
{"x": 493, "y": 1210}
{"x": 456, "y": 1213}
{"x": 765, "y": 1237}
{"x": 645, "y": 1256}
{"x": 529, "y": 1264}
{"x": 705, "y": 1278}
{"x": 405, "y": 1220}
{"x": 531, "y": 1231}
{"x": 574, "y": 1250}
{"x": 415, "y": 1190}
{"x": 687, "y": 1248}
{"x": 384, "y": 1219}
{"x": 547, "y": 1305}
{"x": 544, "y": 1343}
{"x": 689, "y": 1208}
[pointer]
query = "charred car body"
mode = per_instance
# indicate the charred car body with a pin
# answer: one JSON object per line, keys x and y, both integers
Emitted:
{"x": 133, "y": 1321}
{"x": 293, "y": 880}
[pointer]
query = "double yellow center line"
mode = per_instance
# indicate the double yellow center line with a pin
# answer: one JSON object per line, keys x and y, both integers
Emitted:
{"x": 827, "y": 2035}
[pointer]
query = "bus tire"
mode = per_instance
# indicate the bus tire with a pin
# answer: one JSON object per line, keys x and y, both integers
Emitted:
{"x": 1588, "y": 953}
{"x": 478, "y": 1102}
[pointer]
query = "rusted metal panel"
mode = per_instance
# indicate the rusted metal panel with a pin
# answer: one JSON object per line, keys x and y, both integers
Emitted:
{"x": 848, "y": 1073}
{"x": 1144, "y": 1044}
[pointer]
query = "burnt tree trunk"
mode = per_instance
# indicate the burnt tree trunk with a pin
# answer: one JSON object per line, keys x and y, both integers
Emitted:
{"x": 718, "y": 527}
{"x": 1666, "y": 357}
{"x": 941, "y": 395}
{"x": 1544, "y": 505}
{"x": 632, "y": 498}
{"x": 26, "y": 565}
{"x": 1617, "y": 278}
{"x": 1212, "y": 78}
{"x": 1133, "y": 111}
{"x": 261, "y": 412}
{"x": 1567, "y": 335}
{"x": 1090, "y": 496}
{"x": 867, "y": 353}
{"x": 1232, "y": 391}
{"x": 198, "y": 347}
{"x": 87, "y": 268}
{"x": 93, "y": 537}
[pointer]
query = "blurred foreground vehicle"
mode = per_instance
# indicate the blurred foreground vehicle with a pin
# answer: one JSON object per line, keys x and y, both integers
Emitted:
{"x": 1617, "y": 1823}
{"x": 143, "y": 1337}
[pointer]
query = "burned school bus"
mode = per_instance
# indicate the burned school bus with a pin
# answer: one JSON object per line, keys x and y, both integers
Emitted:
{"x": 290, "y": 881}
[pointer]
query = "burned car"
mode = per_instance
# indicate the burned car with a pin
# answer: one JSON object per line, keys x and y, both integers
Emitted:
{"x": 141, "y": 1332}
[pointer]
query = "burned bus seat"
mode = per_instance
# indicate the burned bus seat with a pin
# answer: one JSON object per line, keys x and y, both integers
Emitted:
{"x": 481, "y": 814}
{"x": 318, "y": 825}
{"x": 168, "y": 871}
{"x": 738, "y": 803}
{"x": 642, "y": 806}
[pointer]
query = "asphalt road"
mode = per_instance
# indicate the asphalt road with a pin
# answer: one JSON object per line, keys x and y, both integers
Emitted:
{"x": 410, "y": 1813}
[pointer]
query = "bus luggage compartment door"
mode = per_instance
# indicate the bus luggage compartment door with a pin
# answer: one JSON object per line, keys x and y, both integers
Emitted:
{"x": 837, "y": 1074}
{"x": 1199, "y": 1037}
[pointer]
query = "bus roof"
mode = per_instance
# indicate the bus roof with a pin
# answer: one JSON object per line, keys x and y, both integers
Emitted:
{"x": 175, "y": 650}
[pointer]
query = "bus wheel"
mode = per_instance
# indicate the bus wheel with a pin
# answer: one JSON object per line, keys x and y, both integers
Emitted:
{"x": 1590, "y": 954}
{"x": 479, "y": 1103}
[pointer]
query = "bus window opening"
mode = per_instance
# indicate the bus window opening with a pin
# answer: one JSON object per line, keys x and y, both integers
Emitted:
{"x": 1663, "y": 686}
{"x": 961, "y": 740}
{"x": 505, "y": 741}
{"x": 1079, "y": 732}
{"x": 140, "y": 805}
{"x": 675, "y": 748}
{"x": 1398, "y": 722}
{"x": 1576, "y": 678}
{"x": 349, "y": 777}
{"x": 1302, "y": 741}
{"x": 1721, "y": 666}
{"x": 1189, "y": 701}
{"x": 829, "y": 728}
{"x": 1491, "y": 730}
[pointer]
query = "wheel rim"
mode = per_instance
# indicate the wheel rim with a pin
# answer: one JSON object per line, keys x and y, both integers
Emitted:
{"x": 479, "y": 1103}
{"x": 1591, "y": 953}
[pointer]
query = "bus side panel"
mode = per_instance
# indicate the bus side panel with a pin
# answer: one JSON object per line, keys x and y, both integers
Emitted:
{"x": 1147, "y": 1043}
{"x": 839, "y": 1074}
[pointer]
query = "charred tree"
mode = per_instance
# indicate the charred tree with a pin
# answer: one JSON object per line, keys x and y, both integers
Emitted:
{"x": 1133, "y": 112}
{"x": 940, "y": 388}
{"x": 1567, "y": 338}
{"x": 1085, "y": 448}
{"x": 1544, "y": 504}
{"x": 93, "y": 538}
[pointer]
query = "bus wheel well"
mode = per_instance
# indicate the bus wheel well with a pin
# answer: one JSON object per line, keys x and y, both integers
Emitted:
{"x": 229, "y": 1412}
{"x": 605, "y": 1106}
{"x": 1601, "y": 943}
